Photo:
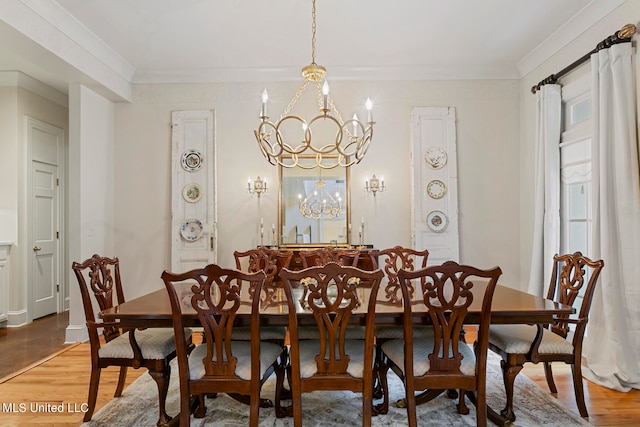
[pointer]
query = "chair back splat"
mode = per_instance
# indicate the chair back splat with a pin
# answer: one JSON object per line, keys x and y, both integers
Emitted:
{"x": 322, "y": 256}
{"x": 334, "y": 361}
{"x": 442, "y": 361}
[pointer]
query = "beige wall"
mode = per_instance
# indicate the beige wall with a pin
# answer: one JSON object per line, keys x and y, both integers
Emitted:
{"x": 487, "y": 131}
{"x": 629, "y": 12}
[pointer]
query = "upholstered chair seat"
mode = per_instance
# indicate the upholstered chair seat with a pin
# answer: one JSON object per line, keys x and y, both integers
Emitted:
{"x": 154, "y": 344}
{"x": 269, "y": 354}
{"x": 354, "y": 348}
{"x": 517, "y": 339}
{"x": 394, "y": 349}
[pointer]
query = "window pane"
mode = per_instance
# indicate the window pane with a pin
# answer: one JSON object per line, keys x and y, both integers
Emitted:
{"x": 577, "y": 239}
{"x": 577, "y": 201}
{"x": 580, "y": 111}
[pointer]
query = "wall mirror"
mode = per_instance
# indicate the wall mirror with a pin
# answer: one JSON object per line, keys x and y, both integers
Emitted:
{"x": 314, "y": 207}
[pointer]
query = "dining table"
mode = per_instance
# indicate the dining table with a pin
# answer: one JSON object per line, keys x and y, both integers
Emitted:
{"x": 510, "y": 306}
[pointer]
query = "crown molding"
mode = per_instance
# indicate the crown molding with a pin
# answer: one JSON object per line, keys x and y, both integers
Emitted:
{"x": 19, "y": 79}
{"x": 571, "y": 30}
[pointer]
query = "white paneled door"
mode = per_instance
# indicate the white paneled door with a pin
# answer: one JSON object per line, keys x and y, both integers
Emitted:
{"x": 44, "y": 216}
{"x": 193, "y": 225}
{"x": 435, "y": 182}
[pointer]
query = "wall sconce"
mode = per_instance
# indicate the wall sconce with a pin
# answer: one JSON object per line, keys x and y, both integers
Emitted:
{"x": 374, "y": 185}
{"x": 259, "y": 186}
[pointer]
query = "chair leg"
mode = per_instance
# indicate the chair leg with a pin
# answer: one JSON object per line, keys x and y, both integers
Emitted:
{"x": 462, "y": 406}
{"x": 94, "y": 382}
{"x": 280, "y": 373}
{"x": 548, "y": 373}
{"x": 509, "y": 374}
{"x": 121, "y": 380}
{"x": 411, "y": 406}
{"x": 162, "y": 380}
{"x": 377, "y": 385}
{"x": 576, "y": 370}
{"x": 383, "y": 408}
{"x": 481, "y": 407}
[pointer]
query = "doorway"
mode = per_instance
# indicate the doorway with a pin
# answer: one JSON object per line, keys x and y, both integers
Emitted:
{"x": 45, "y": 295}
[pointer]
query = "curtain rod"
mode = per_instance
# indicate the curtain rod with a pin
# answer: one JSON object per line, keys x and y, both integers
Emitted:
{"x": 622, "y": 36}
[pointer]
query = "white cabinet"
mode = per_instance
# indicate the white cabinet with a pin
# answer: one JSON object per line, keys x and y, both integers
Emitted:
{"x": 5, "y": 250}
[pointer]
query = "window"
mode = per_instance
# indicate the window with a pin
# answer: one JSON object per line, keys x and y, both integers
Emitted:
{"x": 575, "y": 170}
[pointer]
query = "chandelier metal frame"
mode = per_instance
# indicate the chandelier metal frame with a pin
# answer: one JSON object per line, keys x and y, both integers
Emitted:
{"x": 348, "y": 148}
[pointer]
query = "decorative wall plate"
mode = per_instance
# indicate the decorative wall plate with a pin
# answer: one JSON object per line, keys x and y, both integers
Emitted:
{"x": 191, "y": 230}
{"x": 435, "y": 157}
{"x": 192, "y": 192}
{"x": 437, "y": 221}
{"x": 436, "y": 189}
{"x": 191, "y": 160}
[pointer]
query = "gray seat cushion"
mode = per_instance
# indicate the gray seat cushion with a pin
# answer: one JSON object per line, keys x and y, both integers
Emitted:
{"x": 309, "y": 349}
{"x": 155, "y": 343}
{"x": 241, "y": 350}
{"x": 517, "y": 339}
{"x": 422, "y": 347}
{"x": 397, "y": 332}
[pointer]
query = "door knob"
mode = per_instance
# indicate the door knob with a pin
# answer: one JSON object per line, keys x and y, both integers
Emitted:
{"x": 36, "y": 248}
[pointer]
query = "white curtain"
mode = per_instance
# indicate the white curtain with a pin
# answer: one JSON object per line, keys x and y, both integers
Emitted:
{"x": 546, "y": 233}
{"x": 612, "y": 344}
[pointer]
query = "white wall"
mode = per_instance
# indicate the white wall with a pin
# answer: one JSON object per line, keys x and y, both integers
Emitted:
{"x": 91, "y": 189}
{"x": 629, "y": 12}
{"x": 487, "y": 130}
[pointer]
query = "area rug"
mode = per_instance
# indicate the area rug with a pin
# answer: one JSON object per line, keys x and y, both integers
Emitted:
{"x": 138, "y": 406}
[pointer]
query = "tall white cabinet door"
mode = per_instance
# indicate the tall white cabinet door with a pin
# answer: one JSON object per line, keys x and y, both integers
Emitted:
{"x": 435, "y": 183}
{"x": 193, "y": 223}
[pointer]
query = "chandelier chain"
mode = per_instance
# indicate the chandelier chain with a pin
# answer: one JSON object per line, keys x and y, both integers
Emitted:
{"x": 313, "y": 33}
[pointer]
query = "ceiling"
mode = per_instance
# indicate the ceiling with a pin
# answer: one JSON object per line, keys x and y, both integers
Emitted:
{"x": 149, "y": 41}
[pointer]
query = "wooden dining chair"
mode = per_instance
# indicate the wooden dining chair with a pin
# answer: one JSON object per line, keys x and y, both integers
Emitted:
{"x": 333, "y": 361}
{"x": 390, "y": 261}
{"x": 151, "y": 348}
{"x": 220, "y": 364}
{"x": 442, "y": 361}
{"x": 321, "y": 256}
{"x": 271, "y": 261}
{"x": 573, "y": 276}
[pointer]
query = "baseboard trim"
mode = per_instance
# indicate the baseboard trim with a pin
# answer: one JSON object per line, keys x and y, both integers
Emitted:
{"x": 76, "y": 334}
{"x": 15, "y": 319}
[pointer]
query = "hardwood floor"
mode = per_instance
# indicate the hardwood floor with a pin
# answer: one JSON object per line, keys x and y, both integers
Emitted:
{"x": 18, "y": 343}
{"x": 64, "y": 379}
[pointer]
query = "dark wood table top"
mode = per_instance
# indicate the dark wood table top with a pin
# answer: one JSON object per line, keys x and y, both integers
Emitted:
{"x": 509, "y": 306}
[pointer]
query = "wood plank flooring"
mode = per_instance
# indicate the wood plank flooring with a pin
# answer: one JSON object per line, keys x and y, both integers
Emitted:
{"x": 48, "y": 332}
{"x": 64, "y": 379}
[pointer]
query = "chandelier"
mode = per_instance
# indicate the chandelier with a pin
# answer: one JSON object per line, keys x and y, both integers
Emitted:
{"x": 341, "y": 147}
{"x": 320, "y": 203}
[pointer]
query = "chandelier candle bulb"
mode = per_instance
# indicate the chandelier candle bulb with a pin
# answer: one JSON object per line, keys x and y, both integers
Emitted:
{"x": 265, "y": 98}
{"x": 325, "y": 96}
{"x": 355, "y": 125}
{"x": 369, "y": 106}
